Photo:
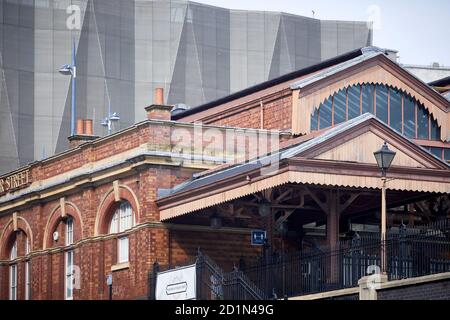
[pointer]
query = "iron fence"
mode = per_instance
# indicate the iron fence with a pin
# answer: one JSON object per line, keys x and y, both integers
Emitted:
{"x": 411, "y": 252}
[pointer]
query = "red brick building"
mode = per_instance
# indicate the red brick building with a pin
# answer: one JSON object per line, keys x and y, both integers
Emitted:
{"x": 118, "y": 204}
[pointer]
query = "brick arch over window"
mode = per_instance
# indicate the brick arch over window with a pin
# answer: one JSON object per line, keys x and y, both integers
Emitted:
{"x": 110, "y": 203}
{"x": 56, "y": 217}
{"x": 7, "y": 236}
{"x": 309, "y": 98}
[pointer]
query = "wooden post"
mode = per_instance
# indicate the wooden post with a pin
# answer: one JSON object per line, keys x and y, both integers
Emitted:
{"x": 333, "y": 235}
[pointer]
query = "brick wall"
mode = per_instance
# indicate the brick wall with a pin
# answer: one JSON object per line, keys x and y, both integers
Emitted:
{"x": 277, "y": 113}
{"x": 436, "y": 290}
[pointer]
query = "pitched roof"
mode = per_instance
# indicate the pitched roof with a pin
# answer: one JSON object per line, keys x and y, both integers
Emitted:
{"x": 267, "y": 84}
{"x": 229, "y": 171}
{"x": 367, "y": 53}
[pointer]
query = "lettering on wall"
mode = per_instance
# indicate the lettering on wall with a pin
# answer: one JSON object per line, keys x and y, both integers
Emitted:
{"x": 15, "y": 181}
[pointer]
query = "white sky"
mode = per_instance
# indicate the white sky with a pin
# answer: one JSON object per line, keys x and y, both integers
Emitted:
{"x": 418, "y": 29}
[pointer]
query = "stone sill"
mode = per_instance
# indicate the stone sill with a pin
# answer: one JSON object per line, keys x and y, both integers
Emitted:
{"x": 120, "y": 266}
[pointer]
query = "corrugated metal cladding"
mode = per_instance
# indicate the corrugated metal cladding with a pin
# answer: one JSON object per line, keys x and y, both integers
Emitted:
{"x": 126, "y": 48}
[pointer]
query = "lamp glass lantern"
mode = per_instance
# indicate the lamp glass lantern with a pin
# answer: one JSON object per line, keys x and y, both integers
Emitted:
{"x": 384, "y": 157}
{"x": 264, "y": 208}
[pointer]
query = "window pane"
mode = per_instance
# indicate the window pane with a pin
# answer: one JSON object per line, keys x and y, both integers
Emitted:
{"x": 435, "y": 130}
{"x": 422, "y": 123}
{"x": 367, "y": 96}
{"x": 396, "y": 110}
{"x": 123, "y": 249}
{"x": 325, "y": 114}
{"x": 447, "y": 154}
{"x": 339, "y": 107}
{"x": 13, "y": 282}
{"x": 69, "y": 275}
{"x": 69, "y": 231}
{"x": 27, "y": 281}
{"x": 382, "y": 103}
{"x": 410, "y": 118}
{"x": 13, "y": 254}
{"x": 353, "y": 102}
{"x": 437, "y": 152}
{"x": 115, "y": 220}
{"x": 315, "y": 120}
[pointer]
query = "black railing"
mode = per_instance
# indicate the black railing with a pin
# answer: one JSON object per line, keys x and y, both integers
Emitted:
{"x": 213, "y": 283}
{"x": 411, "y": 252}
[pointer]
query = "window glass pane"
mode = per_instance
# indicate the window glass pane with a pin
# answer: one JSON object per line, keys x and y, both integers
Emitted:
{"x": 123, "y": 249}
{"x": 125, "y": 216}
{"x": 315, "y": 120}
{"x": 69, "y": 231}
{"x": 437, "y": 152}
{"x": 353, "y": 102}
{"x": 435, "y": 130}
{"x": 410, "y": 118}
{"x": 69, "y": 275}
{"x": 382, "y": 103}
{"x": 396, "y": 110}
{"x": 422, "y": 123}
{"x": 27, "y": 281}
{"x": 13, "y": 282}
{"x": 115, "y": 220}
{"x": 447, "y": 154}
{"x": 367, "y": 98}
{"x": 325, "y": 114}
{"x": 13, "y": 254}
{"x": 340, "y": 101}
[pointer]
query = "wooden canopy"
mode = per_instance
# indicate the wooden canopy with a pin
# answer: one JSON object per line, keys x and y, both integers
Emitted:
{"x": 340, "y": 157}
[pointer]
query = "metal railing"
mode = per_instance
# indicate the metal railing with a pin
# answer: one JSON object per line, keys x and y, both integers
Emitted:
{"x": 212, "y": 283}
{"x": 411, "y": 252}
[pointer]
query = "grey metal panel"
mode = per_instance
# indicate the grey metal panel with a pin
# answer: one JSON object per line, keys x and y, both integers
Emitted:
{"x": 127, "y": 48}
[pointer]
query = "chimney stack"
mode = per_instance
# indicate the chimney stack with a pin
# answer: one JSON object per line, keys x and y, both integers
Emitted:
{"x": 84, "y": 133}
{"x": 158, "y": 110}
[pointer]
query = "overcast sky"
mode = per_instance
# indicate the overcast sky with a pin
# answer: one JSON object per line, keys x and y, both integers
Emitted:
{"x": 418, "y": 29}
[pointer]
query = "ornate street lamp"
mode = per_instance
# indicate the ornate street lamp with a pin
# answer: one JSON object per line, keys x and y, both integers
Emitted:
{"x": 384, "y": 158}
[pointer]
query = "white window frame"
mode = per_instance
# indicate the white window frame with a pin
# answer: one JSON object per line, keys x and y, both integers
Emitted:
{"x": 69, "y": 231}
{"x": 13, "y": 273}
{"x": 68, "y": 275}
{"x": 122, "y": 220}
{"x": 123, "y": 249}
{"x": 69, "y": 256}
{"x": 13, "y": 282}
{"x": 27, "y": 273}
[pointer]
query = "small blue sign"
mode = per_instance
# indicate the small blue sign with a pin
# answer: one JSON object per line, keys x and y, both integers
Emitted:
{"x": 258, "y": 237}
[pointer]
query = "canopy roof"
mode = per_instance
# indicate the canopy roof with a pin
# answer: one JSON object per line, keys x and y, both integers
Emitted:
{"x": 341, "y": 156}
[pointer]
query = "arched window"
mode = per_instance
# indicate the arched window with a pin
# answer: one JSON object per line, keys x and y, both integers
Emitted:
{"x": 19, "y": 247}
{"x": 122, "y": 220}
{"x": 395, "y": 108}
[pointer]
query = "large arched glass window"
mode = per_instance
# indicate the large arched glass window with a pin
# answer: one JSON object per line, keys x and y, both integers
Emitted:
{"x": 395, "y": 108}
{"x": 122, "y": 220}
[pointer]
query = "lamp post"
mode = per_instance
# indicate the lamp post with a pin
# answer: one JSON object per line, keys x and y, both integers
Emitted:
{"x": 384, "y": 158}
{"x": 71, "y": 69}
{"x": 108, "y": 121}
